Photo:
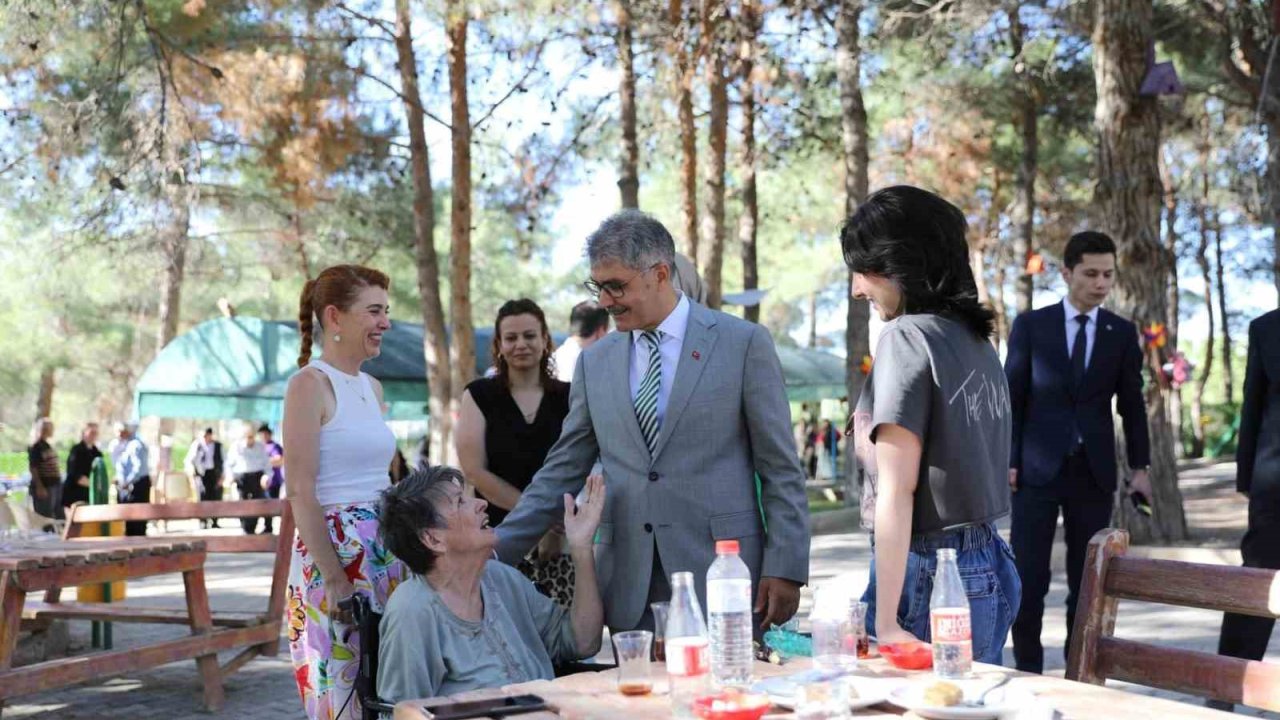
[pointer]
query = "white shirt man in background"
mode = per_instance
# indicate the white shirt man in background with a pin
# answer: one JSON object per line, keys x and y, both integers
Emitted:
{"x": 248, "y": 466}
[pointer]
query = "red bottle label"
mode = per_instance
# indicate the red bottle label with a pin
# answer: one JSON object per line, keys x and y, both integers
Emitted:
{"x": 950, "y": 625}
{"x": 688, "y": 657}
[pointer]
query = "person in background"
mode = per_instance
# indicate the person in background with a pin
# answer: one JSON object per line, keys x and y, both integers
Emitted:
{"x": 75, "y": 488}
{"x": 1065, "y": 365}
{"x": 932, "y": 424}
{"x": 506, "y": 426}
{"x": 204, "y": 465}
{"x": 339, "y": 450}
{"x": 248, "y": 467}
{"x": 588, "y": 322}
{"x": 132, "y": 463}
{"x": 275, "y": 458}
{"x": 46, "y": 478}
{"x": 1258, "y": 477}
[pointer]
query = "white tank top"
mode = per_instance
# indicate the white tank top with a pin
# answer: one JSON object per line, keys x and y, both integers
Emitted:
{"x": 356, "y": 446}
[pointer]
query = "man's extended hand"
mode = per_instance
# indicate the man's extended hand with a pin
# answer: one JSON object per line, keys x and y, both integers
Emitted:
{"x": 778, "y": 599}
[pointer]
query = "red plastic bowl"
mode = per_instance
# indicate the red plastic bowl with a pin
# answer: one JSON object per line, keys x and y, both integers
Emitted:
{"x": 909, "y": 656}
{"x": 731, "y": 705}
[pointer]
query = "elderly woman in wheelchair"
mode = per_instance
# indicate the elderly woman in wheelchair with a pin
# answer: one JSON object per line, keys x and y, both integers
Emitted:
{"x": 465, "y": 620}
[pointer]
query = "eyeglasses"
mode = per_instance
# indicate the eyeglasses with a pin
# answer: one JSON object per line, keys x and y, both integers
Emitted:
{"x": 614, "y": 288}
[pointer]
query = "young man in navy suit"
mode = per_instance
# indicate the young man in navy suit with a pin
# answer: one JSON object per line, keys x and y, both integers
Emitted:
{"x": 1065, "y": 364}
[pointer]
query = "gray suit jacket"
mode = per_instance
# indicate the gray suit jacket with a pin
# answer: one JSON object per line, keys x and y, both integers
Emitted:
{"x": 727, "y": 420}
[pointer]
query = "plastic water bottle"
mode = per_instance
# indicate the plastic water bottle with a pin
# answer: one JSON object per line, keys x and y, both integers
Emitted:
{"x": 949, "y": 621}
{"x": 729, "y": 616}
{"x": 688, "y": 650}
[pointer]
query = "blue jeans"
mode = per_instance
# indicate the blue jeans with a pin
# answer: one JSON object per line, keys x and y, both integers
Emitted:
{"x": 990, "y": 580}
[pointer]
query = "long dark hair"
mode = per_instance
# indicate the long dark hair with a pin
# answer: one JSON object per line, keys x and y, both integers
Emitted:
{"x": 511, "y": 308}
{"x": 917, "y": 240}
{"x": 339, "y": 286}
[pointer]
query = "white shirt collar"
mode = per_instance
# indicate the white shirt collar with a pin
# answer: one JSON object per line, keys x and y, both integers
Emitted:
{"x": 1072, "y": 312}
{"x": 675, "y": 323}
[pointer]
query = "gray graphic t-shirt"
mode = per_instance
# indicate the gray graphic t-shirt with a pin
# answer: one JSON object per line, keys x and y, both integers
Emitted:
{"x": 934, "y": 377}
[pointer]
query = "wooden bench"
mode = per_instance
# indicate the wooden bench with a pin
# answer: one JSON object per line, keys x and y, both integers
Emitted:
{"x": 1097, "y": 655}
{"x": 257, "y": 633}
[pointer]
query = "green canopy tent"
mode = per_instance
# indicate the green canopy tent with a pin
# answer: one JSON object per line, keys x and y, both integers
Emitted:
{"x": 237, "y": 367}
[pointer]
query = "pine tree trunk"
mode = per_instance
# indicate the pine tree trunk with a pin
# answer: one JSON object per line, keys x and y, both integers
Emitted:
{"x": 1228, "y": 386}
{"x": 1024, "y": 210}
{"x": 44, "y": 400}
{"x": 1127, "y": 198}
{"x": 174, "y": 254}
{"x": 629, "y": 174}
{"x": 749, "y": 221}
{"x": 435, "y": 343}
{"x": 854, "y": 142}
{"x": 686, "y": 66}
{"x": 714, "y": 14}
{"x": 462, "y": 348}
{"x": 1202, "y": 260}
{"x": 1171, "y": 248}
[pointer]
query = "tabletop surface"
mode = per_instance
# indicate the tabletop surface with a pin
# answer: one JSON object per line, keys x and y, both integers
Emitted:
{"x": 30, "y": 554}
{"x": 588, "y": 695}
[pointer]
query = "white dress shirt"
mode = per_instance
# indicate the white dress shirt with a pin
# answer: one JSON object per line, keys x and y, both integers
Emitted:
{"x": 247, "y": 458}
{"x": 1073, "y": 327}
{"x": 671, "y": 341}
{"x": 566, "y": 357}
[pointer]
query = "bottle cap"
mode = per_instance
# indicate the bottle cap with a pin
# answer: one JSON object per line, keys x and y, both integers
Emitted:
{"x": 726, "y": 547}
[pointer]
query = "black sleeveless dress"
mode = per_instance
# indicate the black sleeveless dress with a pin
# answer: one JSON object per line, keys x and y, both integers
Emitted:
{"x": 515, "y": 449}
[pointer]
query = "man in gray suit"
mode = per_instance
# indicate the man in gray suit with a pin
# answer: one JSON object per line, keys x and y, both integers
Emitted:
{"x": 684, "y": 406}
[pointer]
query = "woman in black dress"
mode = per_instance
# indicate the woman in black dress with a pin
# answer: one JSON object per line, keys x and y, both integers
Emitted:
{"x": 508, "y": 423}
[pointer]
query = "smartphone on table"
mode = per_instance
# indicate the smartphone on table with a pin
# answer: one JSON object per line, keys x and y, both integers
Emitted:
{"x": 491, "y": 707}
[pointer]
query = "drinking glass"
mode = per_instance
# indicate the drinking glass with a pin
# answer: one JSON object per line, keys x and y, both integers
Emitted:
{"x": 660, "y": 610}
{"x": 634, "y": 670}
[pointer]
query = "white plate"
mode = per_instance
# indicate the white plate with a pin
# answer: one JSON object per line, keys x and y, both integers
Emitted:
{"x": 1003, "y": 703}
{"x": 871, "y": 691}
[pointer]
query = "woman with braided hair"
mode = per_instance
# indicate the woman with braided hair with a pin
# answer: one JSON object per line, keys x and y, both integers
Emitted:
{"x": 339, "y": 448}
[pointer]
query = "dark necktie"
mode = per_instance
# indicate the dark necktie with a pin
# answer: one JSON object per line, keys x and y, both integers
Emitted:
{"x": 1077, "y": 352}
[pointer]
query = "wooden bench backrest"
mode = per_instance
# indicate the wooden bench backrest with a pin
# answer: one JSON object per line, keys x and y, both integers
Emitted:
{"x": 1096, "y": 655}
{"x": 280, "y": 543}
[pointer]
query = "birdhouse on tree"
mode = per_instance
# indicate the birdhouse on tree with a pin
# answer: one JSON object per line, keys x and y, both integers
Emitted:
{"x": 1161, "y": 78}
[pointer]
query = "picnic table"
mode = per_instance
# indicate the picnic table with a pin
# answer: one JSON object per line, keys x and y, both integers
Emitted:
{"x": 49, "y": 565}
{"x": 595, "y": 695}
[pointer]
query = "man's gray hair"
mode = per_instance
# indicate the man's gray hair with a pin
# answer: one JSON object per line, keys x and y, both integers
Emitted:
{"x": 632, "y": 238}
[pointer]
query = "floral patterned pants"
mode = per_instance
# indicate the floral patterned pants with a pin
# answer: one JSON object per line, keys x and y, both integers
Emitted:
{"x": 325, "y": 653}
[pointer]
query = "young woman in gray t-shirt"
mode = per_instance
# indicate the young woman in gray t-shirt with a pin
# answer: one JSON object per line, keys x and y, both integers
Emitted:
{"x": 932, "y": 426}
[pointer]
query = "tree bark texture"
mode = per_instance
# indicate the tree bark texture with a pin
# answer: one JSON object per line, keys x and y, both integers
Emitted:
{"x": 44, "y": 400}
{"x": 174, "y": 255}
{"x": 748, "y": 222}
{"x": 714, "y": 15}
{"x": 680, "y": 20}
{"x": 435, "y": 342}
{"x": 1202, "y": 260}
{"x": 1170, "y": 189}
{"x": 629, "y": 173}
{"x": 857, "y": 162}
{"x": 1024, "y": 209}
{"x": 1228, "y": 386}
{"x": 462, "y": 347}
{"x": 1127, "y": 198}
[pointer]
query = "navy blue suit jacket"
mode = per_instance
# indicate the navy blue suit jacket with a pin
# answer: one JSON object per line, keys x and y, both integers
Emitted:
{"x": 1046, "y": 406}
{"x": 1258, "y": 447}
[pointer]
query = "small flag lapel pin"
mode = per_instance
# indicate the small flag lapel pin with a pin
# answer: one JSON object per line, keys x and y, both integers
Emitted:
{"x": 697, "y": 355}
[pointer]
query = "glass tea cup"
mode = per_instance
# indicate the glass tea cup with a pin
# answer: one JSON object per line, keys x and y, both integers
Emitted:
{"x": 660, "y": 610}
{"x": 634, "y": 670}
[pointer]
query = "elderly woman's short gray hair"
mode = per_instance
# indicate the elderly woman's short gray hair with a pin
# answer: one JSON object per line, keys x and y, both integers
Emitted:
{"x": 406, "y": 509}
{"x": 632, "y": 238}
